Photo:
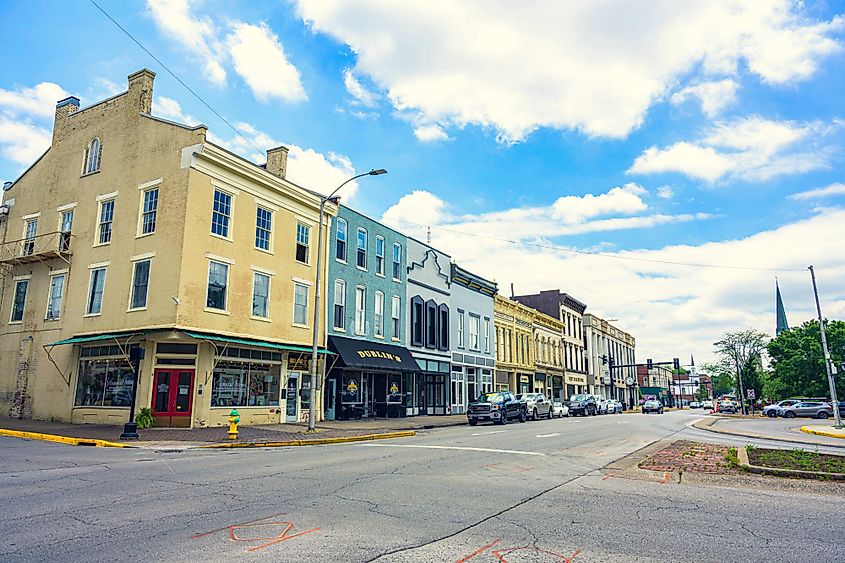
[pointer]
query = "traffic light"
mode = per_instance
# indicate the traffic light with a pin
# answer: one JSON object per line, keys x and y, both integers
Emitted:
{"x": 649, "y": 364}
{"x": 676, "y": 363}
{"x": 604, "y": 360}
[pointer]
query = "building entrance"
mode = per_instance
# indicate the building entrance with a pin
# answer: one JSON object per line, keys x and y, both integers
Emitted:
{"x": 173, "y": 397}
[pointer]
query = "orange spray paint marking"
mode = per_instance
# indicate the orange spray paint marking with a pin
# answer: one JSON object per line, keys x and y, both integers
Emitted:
{"x": 500, "y": 553}
{"x": 665, "y": 479}
{"x": 478, "y": 551}
{"x": 261, "y": 522}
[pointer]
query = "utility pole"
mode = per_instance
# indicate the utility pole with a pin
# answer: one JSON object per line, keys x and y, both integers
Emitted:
{"x": 834, "y": 403}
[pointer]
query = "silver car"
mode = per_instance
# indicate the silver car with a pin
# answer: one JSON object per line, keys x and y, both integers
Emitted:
{"x": 536, "y": 405}
{"x": 559, "y": 409}
{"x": 814, "y": 409}
{"x": 613, "y": 406}
{"x": 772, "y": 410}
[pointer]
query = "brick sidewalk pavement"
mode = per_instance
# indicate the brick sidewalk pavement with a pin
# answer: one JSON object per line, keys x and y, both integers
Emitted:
{"x": 685, "y": 455}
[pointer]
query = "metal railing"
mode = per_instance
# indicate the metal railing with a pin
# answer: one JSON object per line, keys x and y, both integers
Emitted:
{"x": 38, "y": 248}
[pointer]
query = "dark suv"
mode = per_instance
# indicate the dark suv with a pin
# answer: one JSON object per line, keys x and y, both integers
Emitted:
{"x": 582, "y": 404}
{"x": 499, "y": 407}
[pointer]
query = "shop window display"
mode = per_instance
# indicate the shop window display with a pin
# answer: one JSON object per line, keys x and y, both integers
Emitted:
{"x": 245, "y": 384}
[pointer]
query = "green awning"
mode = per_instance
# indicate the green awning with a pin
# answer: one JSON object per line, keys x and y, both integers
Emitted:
{"x": 94, "y": 337}
{"x": 257, "y": 343}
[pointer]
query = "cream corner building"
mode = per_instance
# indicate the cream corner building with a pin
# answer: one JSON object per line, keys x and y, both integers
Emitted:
{"x": 133, "y": 231}
{"x": 606, "y": 340}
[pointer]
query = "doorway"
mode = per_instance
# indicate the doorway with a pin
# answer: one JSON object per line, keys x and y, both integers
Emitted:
{"x": 331, "y": 399}
{"x": 173, "y": 393}
{"x": 292, "y": 398}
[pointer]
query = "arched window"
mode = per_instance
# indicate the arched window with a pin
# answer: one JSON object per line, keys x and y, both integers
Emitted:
{"x": 92, "y": 156}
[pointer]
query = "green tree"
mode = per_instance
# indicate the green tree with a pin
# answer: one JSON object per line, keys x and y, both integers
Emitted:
{"x": 744, "y": 349}
{"x": 722, "y": 376}
{"x": 798, "y": 360}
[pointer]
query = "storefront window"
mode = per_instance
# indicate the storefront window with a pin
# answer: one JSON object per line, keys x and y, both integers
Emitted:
{"x": 245, "y": 384}
{"x": 104, "y": 383}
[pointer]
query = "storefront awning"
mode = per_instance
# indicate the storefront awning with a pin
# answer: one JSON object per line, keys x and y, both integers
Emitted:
{"x": 94, "y": 338}
{"x": 257, "y": 343}
{"x": 363, "y": 354}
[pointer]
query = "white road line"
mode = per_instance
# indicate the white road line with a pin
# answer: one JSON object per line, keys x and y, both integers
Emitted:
{"x": 548, "y": 435}
{"x": 486, "y": 433}
{"x": 518, "y": 452}
{"x": 622, "y": 422}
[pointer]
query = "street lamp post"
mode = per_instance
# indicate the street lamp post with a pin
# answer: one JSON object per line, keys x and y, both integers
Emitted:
{"x": 312, "y": 407}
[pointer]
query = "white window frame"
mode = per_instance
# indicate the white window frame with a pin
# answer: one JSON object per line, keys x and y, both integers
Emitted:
{"x": 266, "y": 316}
{"x": 98, "y": 235}
{"x": 345, "y": 239}
{"x": 306, "y": 244}
{"x": 474, "y": 341}
{"x": 225, "y": 310}
{"x": 360, "y": 310}
{"x": 29, "y": 238}
{"x": 90, "y": 293}
{"x": 230, "y": 224}
{"x": 339, "y": 303}
{"x": 395, "y": 314}
{"x": 486, "y": 335}
{"x": 19, "y": 280}
{"x": 141, "y": 212}
{"x": 58, "y": 313}
{"x": 89, "y": 157}
{"x": 359, "y": 249}
{"x": 380, "y": 257}
{"x": 378, "y": 314}
{"x": 132, "y": 286}
{"x": 461, "y": 316}
{"x": 269, "y": 231}
{"x": 397, "y": 260}
{"x": 297, "y": 285}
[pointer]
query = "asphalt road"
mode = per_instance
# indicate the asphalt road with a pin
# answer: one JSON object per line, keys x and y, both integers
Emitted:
{"x": 522, "y": 492}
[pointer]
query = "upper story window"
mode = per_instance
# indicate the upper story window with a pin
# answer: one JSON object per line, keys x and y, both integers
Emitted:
{"x": 140, "y": 285}
{"x": 430, "y": 324}
{"x": 218, "y": 282}
{"x": 221, "y": 213}
{"x": 487, "y": 335}
{"x": 92, "y": 156}
{"x": 443, "y": 327}
{"x": 378, "y": 317}
{"x": 65, "y": 227}
{"x": 360, "y": 310}
{"x": 263, "y": 228}
{"x": 461, "y": 318}
{"x": 149, "y": 211}
{"x": 104, "y": 227}
{"x": 474, "y": 323}
{"x": 339, "y": 305}
{"x": 303, "y": 232}
{"x": 30, "y": 229}
{"x": 54, "y": 300}
{"x": 397, "y": 261}
{"x": 19, "y": 301}
{"x": 396, "y": 306}
{"x": 300, "y": 304}
{"x": 340, "y": 240}
{"x": 380, "y": 255}
{"x": 260, "y": 295}
{"x": 417, "y": 321}
{"x": 96, "y": 286}
{"x": 361, "y": 257}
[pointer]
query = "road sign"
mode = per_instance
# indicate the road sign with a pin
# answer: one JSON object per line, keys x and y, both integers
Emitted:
{"x": 751, "y": 394}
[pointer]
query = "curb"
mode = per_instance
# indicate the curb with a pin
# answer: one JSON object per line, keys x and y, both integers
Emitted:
{"x": 811, "y": 430}
{"x": 708, "y": 423}
{"x": 314, "y": 442}
{"x": 62, "y": 439}
{"x": 745, "y": 463}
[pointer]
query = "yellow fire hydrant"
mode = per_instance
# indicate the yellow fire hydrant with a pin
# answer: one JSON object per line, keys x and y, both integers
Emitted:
{"x": 234, "y": 419}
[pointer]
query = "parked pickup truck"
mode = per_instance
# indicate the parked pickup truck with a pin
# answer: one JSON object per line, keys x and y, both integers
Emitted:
{"x": 497, "y": 407}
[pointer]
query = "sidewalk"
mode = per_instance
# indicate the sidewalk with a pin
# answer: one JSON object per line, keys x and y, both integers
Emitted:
{"x": 824, "y": 430}
{"x": 778, "y": 429}
{"x": 279, "y": 434}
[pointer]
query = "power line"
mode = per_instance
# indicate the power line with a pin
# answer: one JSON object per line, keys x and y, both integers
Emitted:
{"x": 602, "y": 254}
{"x": 173, "y": 74}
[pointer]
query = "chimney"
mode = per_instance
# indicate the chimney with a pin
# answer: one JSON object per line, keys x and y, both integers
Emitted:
{"x": 64, "y": 108}
{"x": 141, "y": 89}
{"x": 277, "y": 161}
{"x": 512, "y": 293}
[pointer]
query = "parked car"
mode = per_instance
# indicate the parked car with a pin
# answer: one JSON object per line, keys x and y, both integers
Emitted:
{"x": 814, "y": 409}
{"x": 652, "y": 406}
{"x": 582, "y": 404}
{"x": 707, "y": 404}
{"x": 772, "y": 410}
{"x": 536, "y": 405}
{"x": 727, "y": 407}
{"x": 497, "y": 407}
{"x": 613, "y": 406}
{"x": 560, "y": 409}
{"x": 695, "y": 405}
{"x": 601, "y": 404}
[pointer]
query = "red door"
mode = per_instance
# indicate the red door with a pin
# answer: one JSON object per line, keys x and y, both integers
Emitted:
{"x": 173, "y": 392}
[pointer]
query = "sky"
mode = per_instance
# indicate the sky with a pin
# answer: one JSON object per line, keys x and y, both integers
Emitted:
{"x": 661, "y": 161}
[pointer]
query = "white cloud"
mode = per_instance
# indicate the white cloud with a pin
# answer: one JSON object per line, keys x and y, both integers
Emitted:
{"x": 624, "y": 200}
{"x": 421, "y": 206}
{"x": 168, "y": 108}
{"x": 356, "y": 90}
{"x": 38, "y": 101}
{"x": 429, "y": 133}
{"x": 198, "y": 35}
{"x": 565, "y": 65}
{"x": 307, "y": 167}
{"x": 260, "y": 60}
{"x": 21, "y": 141}
{"x": 665, "y": 192}
{"x": 714, "y": 96}
{"x": 751, "y": 148}
{"x": 827, "y": 191}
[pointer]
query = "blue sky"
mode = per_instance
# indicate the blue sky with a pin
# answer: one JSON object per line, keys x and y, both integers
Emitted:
{"x": 696, "y": 132}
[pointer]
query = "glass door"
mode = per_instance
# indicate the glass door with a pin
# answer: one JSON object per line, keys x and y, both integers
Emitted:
{"x": 331, "y": 399}
{"x": 173, "y": 397}
{"x": 292, "y": 398}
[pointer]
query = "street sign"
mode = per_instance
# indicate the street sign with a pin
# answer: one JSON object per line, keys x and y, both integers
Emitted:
{"x": 751, "y": 394}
